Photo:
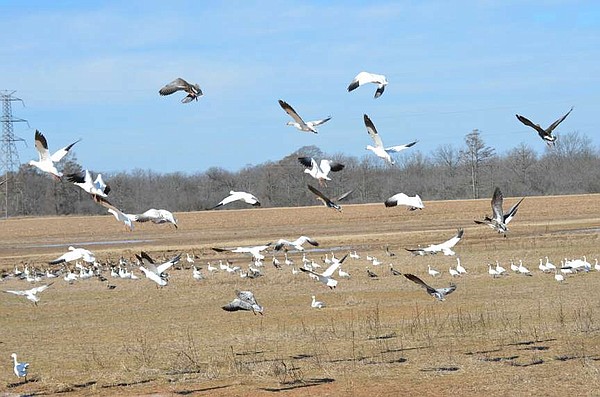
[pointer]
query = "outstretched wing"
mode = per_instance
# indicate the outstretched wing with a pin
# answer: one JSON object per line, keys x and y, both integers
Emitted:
{"x": 320, "y": 195}
{"x": 512, "y": 212}
{"x": 557, "y": 122}
{"x": 41, "y": 145}
{"x": 290, "y": 110}
{"x": 497, "y": 211}
{"x": 373, "y": 132}
{"x": 399, "y": 148}
{"x": 343, "y": 196}
{"x": 60, "y": 153}
{"x": 422, "y": 283}
{"x": 529, "y": 123}
{"x": 453, "y": 241}
{"x": 315, "y": 123}
{"x": 174, "y": 86}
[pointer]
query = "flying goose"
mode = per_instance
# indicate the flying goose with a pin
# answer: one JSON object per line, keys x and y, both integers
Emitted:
{"x": 31, "y": 294}
{"x": 154, "y": 272}
{"x": 20, "y": 369}
{"x": 253, "y": 250}
{"x": 328, "y": 202}
{"x": 179, "y": 84}
{"x": 84, "y": 181}
{"x": 379, "y": 150}
{"x": 74, "y": 254}
{"x": 545, "y": 134}
{"x": 157, "y": 216}
{"x": 413, "y": 203}
{"x": 119, "y": 215}
{"x": 365, "y": 77}
{"x": 46, "y": 161}
{"x": 320, "y": 171}
{"x": 297, "y": 244}
{"x": 235, "y": 196}
{"x": 445, "y": 247}
{"x": 500, "y": 220}
{"x": 298, "y": 122}
{"x": 245, "y": 301}
{"x": 325, "y": 277}
{"x": 437, "y": 293}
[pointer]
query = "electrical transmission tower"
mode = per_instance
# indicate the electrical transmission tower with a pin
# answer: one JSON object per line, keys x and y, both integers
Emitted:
{"x": 9, "y": 156}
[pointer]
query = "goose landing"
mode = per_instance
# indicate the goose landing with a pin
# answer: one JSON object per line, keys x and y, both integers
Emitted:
{"x": 245, "y": 301}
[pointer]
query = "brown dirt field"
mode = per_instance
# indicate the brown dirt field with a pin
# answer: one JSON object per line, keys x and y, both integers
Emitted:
{"x": 514, "y": 335}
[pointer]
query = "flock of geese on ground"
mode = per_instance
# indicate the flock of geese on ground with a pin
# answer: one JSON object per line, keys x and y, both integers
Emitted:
{"x": 87, "y": 267}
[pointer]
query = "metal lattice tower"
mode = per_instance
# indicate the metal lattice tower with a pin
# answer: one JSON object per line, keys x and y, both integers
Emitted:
{"x": 9, "y": 156}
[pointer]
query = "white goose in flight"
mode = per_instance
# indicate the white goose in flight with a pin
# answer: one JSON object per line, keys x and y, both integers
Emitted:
{"x": 326, "y": 276}
{"x": 75, "y": 254}
{"x": 154, "y": 272}
{"x": 255, "y": 251}
{"x": 320, "y": 171}
{"x": 365, "y": 78}
{"x": 179, "y": 84}
{"x": 238, "y": 196}
{"x": 245, "y": 301}
{"x": 30, "y": 294}
{"x": 445, "y": 247}
{"x": 157, "y": 216}
{"x": 84, "y": 181}
{"x": 308, "y": 126}
{"x": 119, "y": 215}
{"x": 379, "y": 150}
{"x": 296, "y": 244}
{"x": 499, "y": 220}
{"x": 46, "y": 161}
{"x": 413, "y": 203}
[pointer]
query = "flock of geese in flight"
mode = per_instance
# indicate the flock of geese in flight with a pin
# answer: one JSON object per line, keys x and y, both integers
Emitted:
{"x": 320, "y": 170}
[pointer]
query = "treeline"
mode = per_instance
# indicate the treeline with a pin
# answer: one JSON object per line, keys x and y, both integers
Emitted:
{"x": 469, "y": 171}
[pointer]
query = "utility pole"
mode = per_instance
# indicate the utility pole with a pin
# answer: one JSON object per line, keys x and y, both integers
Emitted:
{"x": 9, "y": 156}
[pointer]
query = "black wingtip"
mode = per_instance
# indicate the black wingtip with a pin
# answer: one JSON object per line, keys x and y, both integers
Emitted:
{"x": 354, "y": 85}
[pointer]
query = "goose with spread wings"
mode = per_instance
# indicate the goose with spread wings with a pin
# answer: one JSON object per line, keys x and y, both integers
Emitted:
{"x": 245, "y": 301}
{"x": 320, "y": 171}
{"x": 499, "y": 220}
{"x": 30, "y": 294}
{"x": 445, "y": 247}
{"x": 545, "y": 134}
{"x": 248, "y": 198}
{"x": 327, "y": 201}
{"x": 255, "y": 251}
{"x": 437, "y": 293}
{"x": 46, "y": 162}
{"x": 308, "y": 126}
{"x": 157, "y": 216}
{"x": 75, "y": 254}
{"x": 413, "y": 203}
{"x": 297, "y": 244}
{"x": 119, "y": 215}
{"x": 155, "y": 272}
{"x": 326, "y": 276}
{"x": 366, "y": 78}
{"x": 193, "y": 90}
{"x": 84, "y": 180}
{"x": 379, "y": 150}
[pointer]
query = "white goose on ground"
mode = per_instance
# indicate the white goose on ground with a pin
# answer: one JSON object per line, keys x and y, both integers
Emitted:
{"x": 413, "y": 203}
{"x": 308, "y": 126}
{"x": 522, "y": 269}
{"x": 46, "y": 162}
{"x": 379, "y": 150}
{"x": 453, "y": 272}
{"x": 320, "y": 171}
{"x": 549, "y": 265}
{"x": 366, "y": 78}
{"x": 432, "y": 272}
{"x": 20, "y": 369}
{"x": 316, "y": 304}
{"x": 499, "y": 268}
{"x": 492, "y": 272}
{"x": 247, "y": 198}
{"x": 459, "y": 267}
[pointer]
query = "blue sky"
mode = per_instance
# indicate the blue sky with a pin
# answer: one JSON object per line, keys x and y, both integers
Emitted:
{"x": 92, "y": 70}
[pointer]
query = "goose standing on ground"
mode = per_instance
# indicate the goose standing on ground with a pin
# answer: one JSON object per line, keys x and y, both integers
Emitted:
{"x": 316, "y": 304}
{"x": 20, "y": 369}
{"x": 320, "y": 171}
{"x": 453, "y": 272}
{"x": 371, "y": 274}
{"x": 327, "y": 201}
{"x": 30, "y": 294}
{"x": 84, "y": 181}
{"x": 46, "y": 161}
{"x": 558, "y": 277}
{"x": 432, "y": 272}
{"x": 388, "y": 252}
{"x": 245, "y": 301}
{"x": 296, "y": 244}
{"x": 298, "y": 122}
{"x": 459, "y": 267}
{"x": 437, "y": 293}
{"x": 365, "y": 78}
{"x": 445, "y": 247}
{"x": 157, "y": 217}
{"x": 379, "y": 150}
{"x": 545, "y": 134}
{"x": 499, "y": 220}
{"x": 492, "y": 272}
{"x": 153, "y": 272}
{"x": 413, "y": 203}
{"x": 500, "y": 269}
{"x": 119, "y": 215}
{"x": 394, "y": 271}
{"x": 253, "y": 250}
{"x": 326, "y": 276}
{"x": 238, "y": 196}
{"x": 75, "y": 254}
{"x": 179, "y": 84}
{"x": 522, "y": 269}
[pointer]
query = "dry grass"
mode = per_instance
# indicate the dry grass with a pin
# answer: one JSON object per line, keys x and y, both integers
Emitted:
{"x": 510, "y": 336}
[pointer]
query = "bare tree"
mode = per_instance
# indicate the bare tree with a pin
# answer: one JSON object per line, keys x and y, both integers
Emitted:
{"x": 474, "y": 156}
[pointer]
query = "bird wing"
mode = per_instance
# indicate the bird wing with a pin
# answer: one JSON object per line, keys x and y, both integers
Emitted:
{"x": 290, "y": 110}
{"x": 308, "y": 162}
{"x": 360, "y": 79}
{"x": 60, "y": 153}
{"x": 447, "y": 290}
{"x": 40, "y": 288}
{"x": 315, "y": 123}
{"x": 79, "y": 177}
{"x": 20, "y": 293}
{"x": 497, "y": 211}
{"x": 557, "y": 122}
{"x": 373, "y": 132}
{"x": 512, "y": 212}
{"x": 320, "y": 195}
{"x": 163, "y": 267}
{"x": 100, "y": 184}
{"x": 233, "y": 196}
{"x": 343, "y": 196}
{"x": 247, "y": 296}
{"x": 529, "y": 123}
{"x": 397, "y": 199}
{"x": 453, "y": 241}
{"x": 379, "y": 90}
{"x": 237, "y": 304}
{"x": 280, "y": 243}
{"x": 331, "y": 269}
{"x": 41, "y": 145}
{"x": 174, "y": 86}
{"x": 399, "y": 148}
{"x": 304, "y": 239}
{"x": 417, "y": 280}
